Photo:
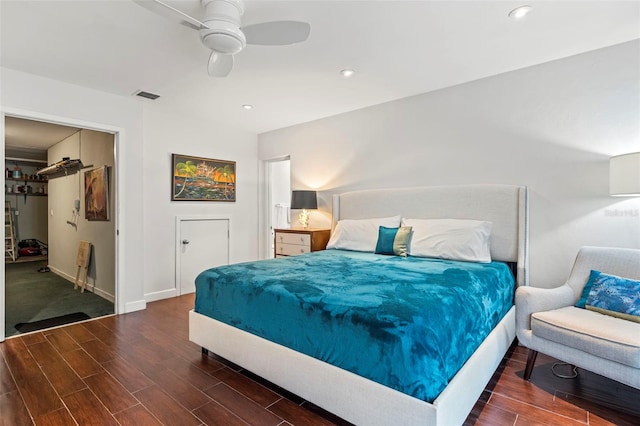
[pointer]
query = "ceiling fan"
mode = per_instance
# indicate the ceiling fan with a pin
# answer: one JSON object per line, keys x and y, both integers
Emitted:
{"x": 220, "y": 30}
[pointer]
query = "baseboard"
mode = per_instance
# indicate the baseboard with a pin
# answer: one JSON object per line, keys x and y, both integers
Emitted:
{"x": 159, "y": 295}
{"x": 137, "y": 305}
{"x": 110, "y": 297}
{"x": 90, "y": 286}
{"x": 60, "y": 273}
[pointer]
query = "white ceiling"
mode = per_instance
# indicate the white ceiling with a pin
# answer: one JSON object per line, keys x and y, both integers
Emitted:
{"x": 33, "y": 135}
{"x": 398, "y": 49}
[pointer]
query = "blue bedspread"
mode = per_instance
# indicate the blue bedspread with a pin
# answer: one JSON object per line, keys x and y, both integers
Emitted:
{"x": 407, "y": 323}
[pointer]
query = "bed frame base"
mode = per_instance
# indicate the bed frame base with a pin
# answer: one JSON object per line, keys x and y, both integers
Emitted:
{"x": 354, "y": 398}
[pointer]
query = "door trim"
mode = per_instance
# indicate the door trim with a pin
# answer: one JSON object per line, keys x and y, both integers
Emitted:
{"x": 119, "y": 135}
{"x": 178, "y": 243}
{"x": 264, "y": 209}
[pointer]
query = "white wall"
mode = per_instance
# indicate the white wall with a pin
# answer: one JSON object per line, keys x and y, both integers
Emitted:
{"x": 166, "y": 134}
{"x": 94, "y": 149}
{"x": 31, "y": 96}
{"x": 551, "y": 127}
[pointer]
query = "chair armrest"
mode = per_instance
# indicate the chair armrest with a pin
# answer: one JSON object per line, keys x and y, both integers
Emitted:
{"x": 530, "y": 300}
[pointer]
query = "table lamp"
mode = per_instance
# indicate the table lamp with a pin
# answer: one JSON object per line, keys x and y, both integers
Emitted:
{"x": 304, "y": 200}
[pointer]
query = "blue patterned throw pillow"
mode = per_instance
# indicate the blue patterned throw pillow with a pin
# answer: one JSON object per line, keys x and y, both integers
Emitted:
{"x": 616, "y": 296}
{"x": 581, "y": 303}
{"x": 393, "y": 240}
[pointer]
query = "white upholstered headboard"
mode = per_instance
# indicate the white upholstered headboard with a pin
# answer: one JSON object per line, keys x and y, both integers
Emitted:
{"x": 506, "y": 206}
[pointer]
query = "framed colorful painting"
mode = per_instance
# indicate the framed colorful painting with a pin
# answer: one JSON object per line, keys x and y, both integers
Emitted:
{"x": 202, "y": 179}
{"x": 96, "y": 194}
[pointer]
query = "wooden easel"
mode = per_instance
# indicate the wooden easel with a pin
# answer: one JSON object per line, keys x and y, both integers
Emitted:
{"x": 82, "y": 261}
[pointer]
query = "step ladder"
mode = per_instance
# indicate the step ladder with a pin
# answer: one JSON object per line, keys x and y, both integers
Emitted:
{"x": 9, "y": 233}
{"x": 82, "y": 261}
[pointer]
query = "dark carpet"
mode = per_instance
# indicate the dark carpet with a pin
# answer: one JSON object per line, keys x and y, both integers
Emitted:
{"x": 33, "y": 296}
{"x": 25, "y": 327}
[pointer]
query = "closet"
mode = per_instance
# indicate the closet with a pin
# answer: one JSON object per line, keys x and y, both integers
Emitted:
{"x": 26, "y": 227}
{"x": 48, "y": 170}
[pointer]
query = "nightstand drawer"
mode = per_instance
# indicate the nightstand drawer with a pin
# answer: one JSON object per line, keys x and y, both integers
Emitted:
{"x": 292, "y": 242}
{"x": 291, "y": 238}
{"x": 291, "y": 249}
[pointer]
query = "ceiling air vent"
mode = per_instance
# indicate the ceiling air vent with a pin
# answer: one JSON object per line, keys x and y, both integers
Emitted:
{"x": 147, "y": 95}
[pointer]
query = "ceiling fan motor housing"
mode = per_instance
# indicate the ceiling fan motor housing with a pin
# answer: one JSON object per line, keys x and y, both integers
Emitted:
{"x": 222, "y": 18}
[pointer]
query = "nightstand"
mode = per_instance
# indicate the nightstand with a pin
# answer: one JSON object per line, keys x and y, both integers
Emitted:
{"x": 292, "y": 242}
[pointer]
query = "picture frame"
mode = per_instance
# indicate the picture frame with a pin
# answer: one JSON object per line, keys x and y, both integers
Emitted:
{"x": 202, "y": 179}
{"x": 97, "y": 194}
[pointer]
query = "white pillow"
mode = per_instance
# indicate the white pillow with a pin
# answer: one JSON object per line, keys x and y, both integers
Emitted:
{"x": 453, "y": 239}
{"x": 360, "y": 234}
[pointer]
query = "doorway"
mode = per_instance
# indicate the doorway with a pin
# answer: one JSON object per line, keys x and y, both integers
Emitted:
{"x": 278, "y": 177}
{"x": 48, "y": 215}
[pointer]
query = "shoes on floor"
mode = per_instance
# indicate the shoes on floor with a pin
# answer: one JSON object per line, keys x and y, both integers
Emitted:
{"x": 44, "y": 269}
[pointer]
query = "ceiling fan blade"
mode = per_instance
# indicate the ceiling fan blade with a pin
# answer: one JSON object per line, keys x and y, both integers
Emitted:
{"x": 219, "y": 65}
{"x": 163, "y": 9}
{"x": 277, "y": 33}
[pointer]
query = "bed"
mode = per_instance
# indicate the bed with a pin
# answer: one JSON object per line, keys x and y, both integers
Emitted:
{"x": 361, "y": 397}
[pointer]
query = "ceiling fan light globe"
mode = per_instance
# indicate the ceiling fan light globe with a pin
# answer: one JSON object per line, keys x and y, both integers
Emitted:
{"x": 219, "y": 65}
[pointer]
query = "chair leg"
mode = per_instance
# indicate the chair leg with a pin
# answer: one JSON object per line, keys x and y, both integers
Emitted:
{"x": 531, "y": 360}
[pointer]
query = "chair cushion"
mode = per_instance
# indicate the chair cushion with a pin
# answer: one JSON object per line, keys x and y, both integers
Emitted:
{"x": 600, "y": 335}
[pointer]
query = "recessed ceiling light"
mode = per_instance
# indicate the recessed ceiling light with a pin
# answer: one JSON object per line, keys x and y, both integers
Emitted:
{"x": 247, "y": 106}
{"x": 520, "y": 12}
{"x": 347, "y": 72}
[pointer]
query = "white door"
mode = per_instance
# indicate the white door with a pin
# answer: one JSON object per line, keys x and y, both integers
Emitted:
{"x": 279, "y": 194}
{"x": 203, "y": 244}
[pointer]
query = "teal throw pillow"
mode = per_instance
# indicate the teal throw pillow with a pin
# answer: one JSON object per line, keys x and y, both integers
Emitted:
{"x": 581, "y": 303}
{"x": 616, "y": 296}
{"x": 393, "y": 240}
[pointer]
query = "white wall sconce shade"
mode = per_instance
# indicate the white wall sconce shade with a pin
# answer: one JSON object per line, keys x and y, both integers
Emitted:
{"x": 624, "y": 175}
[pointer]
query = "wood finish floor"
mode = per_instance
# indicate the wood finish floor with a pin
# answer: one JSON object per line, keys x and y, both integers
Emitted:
{"x": 140, "y": 369}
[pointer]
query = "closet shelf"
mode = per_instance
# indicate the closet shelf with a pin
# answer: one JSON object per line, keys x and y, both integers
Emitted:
{"x": 26, "y": 180}
{"x": 26, "y": 194}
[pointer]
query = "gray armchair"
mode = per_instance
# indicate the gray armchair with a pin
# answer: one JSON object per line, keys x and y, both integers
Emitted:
{"x": 547, "y": 321}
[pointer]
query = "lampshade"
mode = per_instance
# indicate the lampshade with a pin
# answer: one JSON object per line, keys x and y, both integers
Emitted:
{"x": 624, "y": 175}
{"x": 304, "y": 200}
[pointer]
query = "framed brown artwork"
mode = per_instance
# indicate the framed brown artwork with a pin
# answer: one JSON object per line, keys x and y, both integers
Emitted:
{"x": 96, "y": 194}
{"x": 202, "y": 179}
